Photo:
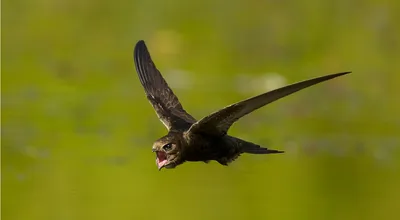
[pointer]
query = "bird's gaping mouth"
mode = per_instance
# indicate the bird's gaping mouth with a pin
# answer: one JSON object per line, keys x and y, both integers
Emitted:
{"x": 161, "y": 159}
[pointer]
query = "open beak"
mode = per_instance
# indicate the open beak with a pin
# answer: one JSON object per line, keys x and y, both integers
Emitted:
{"x": 161, "y": 159}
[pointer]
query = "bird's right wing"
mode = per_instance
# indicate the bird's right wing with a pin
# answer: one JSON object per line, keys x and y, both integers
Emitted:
{"x": 218, "y": 123}
{"x": 164, "y": 101}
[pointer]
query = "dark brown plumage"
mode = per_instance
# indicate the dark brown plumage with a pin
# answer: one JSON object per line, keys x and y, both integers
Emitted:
{"x": 205, "y": 139}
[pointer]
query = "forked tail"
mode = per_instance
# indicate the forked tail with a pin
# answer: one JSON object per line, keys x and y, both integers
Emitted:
{"x": 260, "y": 150}
{"x": 250, "y": 148}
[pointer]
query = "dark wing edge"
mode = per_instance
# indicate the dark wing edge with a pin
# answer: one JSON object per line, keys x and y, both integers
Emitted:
{"x": 219, "y": 122}
{"x": 167, "y": 106}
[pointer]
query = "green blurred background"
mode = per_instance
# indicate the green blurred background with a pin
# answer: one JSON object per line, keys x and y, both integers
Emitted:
{"x": 77, "y": 129}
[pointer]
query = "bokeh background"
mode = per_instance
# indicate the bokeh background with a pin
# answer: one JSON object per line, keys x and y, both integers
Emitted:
{"x": 77, "y": 129}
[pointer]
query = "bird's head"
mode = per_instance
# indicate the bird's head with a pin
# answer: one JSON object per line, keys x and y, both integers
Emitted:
{"x": 168, "y": 152}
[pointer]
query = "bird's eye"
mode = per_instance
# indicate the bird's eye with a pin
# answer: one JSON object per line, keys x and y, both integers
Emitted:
{"x": 167, "y": 147}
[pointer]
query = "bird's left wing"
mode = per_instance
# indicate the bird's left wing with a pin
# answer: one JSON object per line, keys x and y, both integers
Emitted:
{"x": 164, "y": 101}
{"x": 218, "y": 123}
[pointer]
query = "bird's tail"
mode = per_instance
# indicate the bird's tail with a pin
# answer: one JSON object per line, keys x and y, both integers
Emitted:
{"x": 250, "y": 148}
{"x": 260, "y": 150}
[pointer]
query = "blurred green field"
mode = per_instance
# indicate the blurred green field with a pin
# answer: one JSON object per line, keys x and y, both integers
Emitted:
{"x": 77, "y": 129}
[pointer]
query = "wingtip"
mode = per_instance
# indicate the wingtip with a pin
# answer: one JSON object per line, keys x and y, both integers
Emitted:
{"x": 344, "y": 73}
{"x": 140, "y": 50}
{"x": 341, "y": 73}
{"x": 334, "y": 75}
{"x": 140, "y": 42}
{"x": 140, "y": 46}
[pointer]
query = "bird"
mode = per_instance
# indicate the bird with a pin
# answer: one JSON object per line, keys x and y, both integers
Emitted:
{"x": 207, "y": 139}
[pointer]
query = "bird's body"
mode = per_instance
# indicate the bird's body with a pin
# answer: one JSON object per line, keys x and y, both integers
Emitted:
{"x": 206, "y": 139}
{"x": 205, "y": 148}
{"x": 224, "y": 149}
